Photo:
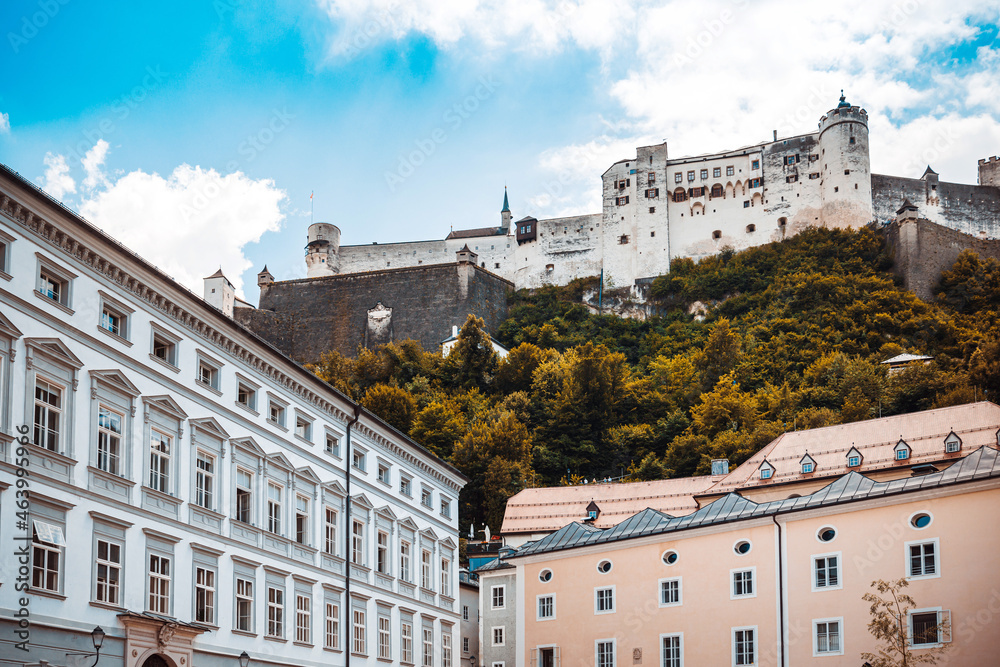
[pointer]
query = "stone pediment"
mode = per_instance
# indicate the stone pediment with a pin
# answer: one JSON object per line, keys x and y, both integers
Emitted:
{"x": 165, "y": 404}
{"x": 54, "y": 349}
{"x": 116, "y": 380}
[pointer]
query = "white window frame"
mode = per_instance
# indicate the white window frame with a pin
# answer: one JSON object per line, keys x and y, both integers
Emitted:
{"x": 445, "y": 577}
{"x": 331, "y": 443}
{"x": 359, "y": 459}
{"x": 206, "y": 588}
{"x": 382, "y": 546}
{"x": 275, "y": 612}
{"x": 446, "y": 657}
{"x": 427, "y": 654}
{"x": 165, "y": 461}
{"x": 57, "y": 276}
{"x": 943, "y": 616}
{"x": 241, "y": 594}
{"x": 384, "y": 473}
{"x": 756, "y": 645}
{"x": 331, "y": 625}
{"x": 214, "y": 369}
{"x": 406, "y": 560}
{"x": 614, "y": 651}
{"x": 358, "y": 542}
{"x": 503, "y": 596}
{"x": 406, "y": 485}
{"x": 249, "y": 495}
{"x": 277, "y": 411}
{"x": 426, "y": 569}
{"x": 244, "y": 386}
{"x": 384, "y": 637}
{"x": 302, "y": 511}
{"x": 663, "y": 651}
{"x": 815, "y": 636}
{"x": 680, "y": 592}
{"x": 168, "y": 342}
{"x": 304, "y": 426}
{"x": 204, "y": 480}
{"x": 753, "y": 582}
{"x": 330, "y": 519}
{"x": 614, "y": 602}
{"x": 109, "y": 565}
{"x": 538, "y": 607}
{"x": 840, "y": 571}
{"x": 303, "y": 618}
{"x": 503, "y": 635}
{"x": 163, "y": 591}
{"x": 406, "y": 641}
{"x": 937, "y": 559}
{"x": 49, "y": 409}
{"x": 109, "y": 435}
{"x": 275, "y": 508}
{"x": 114, "y": 308}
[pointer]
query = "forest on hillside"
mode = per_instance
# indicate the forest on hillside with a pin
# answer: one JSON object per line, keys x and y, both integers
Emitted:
{"x": 793, "y": 339}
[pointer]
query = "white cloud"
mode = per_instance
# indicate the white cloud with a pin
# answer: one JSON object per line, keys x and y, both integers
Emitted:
{"x": 188, "y": 223}
{"x": 57, "y": 181}
{"x": 4, "y": 123}
{"x": 92, "y": 162}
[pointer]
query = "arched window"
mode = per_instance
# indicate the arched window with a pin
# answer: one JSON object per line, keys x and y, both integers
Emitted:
{"x": 717, "y": 234}
{"x": 751, "y": 228}
{"x": 782, "y": 222}
{"x": 717, "y": 190}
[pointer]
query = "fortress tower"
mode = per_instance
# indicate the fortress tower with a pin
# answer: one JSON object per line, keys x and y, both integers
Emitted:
{"x": 846, "y": 166}
{"x": 989, "y": 172}
{"x": 323, "y": 250}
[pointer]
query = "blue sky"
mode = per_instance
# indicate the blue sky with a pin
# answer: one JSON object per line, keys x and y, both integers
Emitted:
{"x": 195, "y": 131}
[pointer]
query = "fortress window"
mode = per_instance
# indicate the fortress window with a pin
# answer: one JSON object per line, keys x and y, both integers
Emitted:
{"x": 813, "y": 176}
{"x": 746, "y": 204}
{"x": 717, "y": 172}
{"x": 652, "y": 234}
{"x": 704, "y": 174}
{"x": 496, "y": 266}
{"x": 729, "y": 171}
{"x": 782, "y": 222}
{"x": 678, "y": 177}
{"x": 791, "y": 159}
{"x": 550, "y": 267}
{"x": 847, "y": 172}
{"x": 851, "y": 140}
{"x": 623, "y": 239}
{"x": 652, "y": 193}
{"x": 652, "y": 209}
{"x": 717, "y": 190}
{"x": 751, "y": 228}
{"x": 755, "y": 164}
{"x": 652, "y": 177}
{"x": 855, "y": 186}
{"x": 791, "y": 179}
{"x": 836, "y": 189}
{"x": 813, "y": 158}
{"x": 691, "y": 175}
{"x": 717, "y": 234}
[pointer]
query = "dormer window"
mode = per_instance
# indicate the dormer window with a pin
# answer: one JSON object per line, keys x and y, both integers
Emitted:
{"x": 952, "y": 443}
{"x": 593, "y": 511}
{"x": 808, "y": 464}
{"x": 854, "y": 458}
{"x": 766, "y": 470}
{"x": 807, "y": 467}
{"x": 901, "y": 450}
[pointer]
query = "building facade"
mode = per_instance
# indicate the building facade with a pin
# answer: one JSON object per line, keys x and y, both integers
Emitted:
{"x": 468, "y": 599}
{"x": 194, "y": 492}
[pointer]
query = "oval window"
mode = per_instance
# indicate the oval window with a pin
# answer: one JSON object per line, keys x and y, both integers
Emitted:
{"x": 826, "y": 534}
{"x": 604, "y": 566}
{"x": 920, "y": 520}
{"x": 545, "y": 576}
{"x": 742, "y": 547}
{"x": 670, "y": 557}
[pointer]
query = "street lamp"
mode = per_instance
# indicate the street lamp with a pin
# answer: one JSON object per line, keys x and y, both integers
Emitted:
{"x": 244, "y": 659}
{"x": 97, "y": 636}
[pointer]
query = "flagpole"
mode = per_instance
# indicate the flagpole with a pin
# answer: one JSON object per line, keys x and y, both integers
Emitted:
{"x": 310, "y": 208}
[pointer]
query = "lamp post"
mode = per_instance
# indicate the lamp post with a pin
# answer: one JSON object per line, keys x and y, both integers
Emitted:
{"x": 97, "y": 636}
{"x": 244, "y": 659}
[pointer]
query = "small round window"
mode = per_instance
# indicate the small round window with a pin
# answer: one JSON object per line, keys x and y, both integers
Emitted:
{"x": 604, "y": 566}
{"x": 742, "y": 547}
{"x": 826, "y": 534}
{"x": 670, "y": 557}
{"x": 545, "y": 576}
{"x": 920, "y": 520}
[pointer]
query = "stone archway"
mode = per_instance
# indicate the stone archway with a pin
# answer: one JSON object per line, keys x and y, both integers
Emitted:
{"x": 155, "y": 660}
{"x": 153, "y": 641}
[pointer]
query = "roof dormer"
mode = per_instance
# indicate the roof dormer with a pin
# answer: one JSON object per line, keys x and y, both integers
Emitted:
{"x": 902, "y": 451}
{"x": 766, "y": 470}
{"x": 593, "y": 511}
{"x": 808, "y": 464}
{"x": 952, "y": 443}
{"x": 854, "y": 457}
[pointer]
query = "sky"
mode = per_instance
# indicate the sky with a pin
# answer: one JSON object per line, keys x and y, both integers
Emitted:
{"x": 195, "y": 132}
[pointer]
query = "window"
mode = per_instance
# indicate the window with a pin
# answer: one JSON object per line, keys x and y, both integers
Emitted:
{"x": 746, "y": 204}
{"x": 275, "y": 612}
{"x": 621, "y": 201}
{"x": 717, "y": 234}
{"x": 332, "y": 626}
{"x": 164, "y": 348}
{"x": 109, "y": 572}
{"x": 847, "y": 172}
{"x": 244, "y": 605}
{"x": 546, "y": 607}
{"x": 854, "y": 461}
{"x": 826, "y": 638}
{"x": 159, "y": 461}
{"x": 669, "y": 557}
{"x": 497, "y": 595}
{"x": 670, "y": 592}
{"x": 743, "y": 584}
{"x": 159, "y": 584}
{"x": 446, "y": 577}
{"x": 428, "y": 647}
{"x": 652, "y": 193}
{"x": 48, "y": 414}
{"x": 358, "y": 459}
{"x": 623, "y": 239}
{"x": 204, "y": 595}
{"x": 465, "y": 644}
{"x": 406, "y": 643}
{"x": 704, "y": 174}
{"x": 605, "y": 653}
{"x": 330, "y": 531}
{"x": 691, "y": 175}
{"x": 405, "y": 486}
{"x": 246, "y": 396}
{"x": 276, "y": 413}
{"x": 404, "y": 560}
{"x": 604, "y": 600}
{"x": 651, "y": 178}
{"x": 303, "y": 619}
{"x": 604, "y": 566}
{"x": 382, "y": 553}
{"x": 826, "y": 571}
{"x": 920, "y": 520}
{"x": 208, "y": 374}
{"x": 744, "y": 646}
{"x": 359, "y": 645}
{"x": 807, "y": 467}
{"x": 545, "y": 576}
{"x": 729, "y": 171}
{"x": 755, "y": 164}
{"x": 425, "y": 497}
{"x": 204, "y": 481}
{"x": 358, "y": 543}
{"x": 498, "y": 638}
{"x": 754, "y": 182}
{"x": 813, "y": 176}
{"x": 384, "y": 641}
{"x": 765, "y": 473}
{"x": 332, "y": 445}
{"x": 465, "y": 612}
{"x": 114, "y": 321}
{"x": 717, "y": 172}
{"x": 930, "y": 627}
{"x": 742, "y": 547}
{"x": 791, "y": 179}
{"x": 446, "y": 508}
{"x": 445, "y": 647}
{"x": 791, "y": 159}
{"x": 826, "y": 534}
{"x": 54, "y": 284}
{"x": 303, "y": 428}
{"x": 383, "y": 473}
{"x": 673, "y": 653}
{"x": 274, "y": 508}
{"x": 301, "y": 519}
{"x": 244, "y": 495}
{"x": 425, "y": 569}
{"x": 922, "y": 559}
{"x": 678, "y": 177}
{"x": 46, "y": 556}
{"x": 109, "y": 440}
{"x": 851, "y": 140}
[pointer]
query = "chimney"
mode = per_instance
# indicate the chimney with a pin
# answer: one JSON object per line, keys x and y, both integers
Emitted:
{"x": 454, "y": 330}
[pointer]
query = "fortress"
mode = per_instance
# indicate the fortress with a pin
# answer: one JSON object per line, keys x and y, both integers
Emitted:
{"x": 655, "y": 208}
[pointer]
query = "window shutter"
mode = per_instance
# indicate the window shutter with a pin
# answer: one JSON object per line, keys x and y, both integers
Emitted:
{"x": 628, "y": 182}
{"x": 944, "y": 625}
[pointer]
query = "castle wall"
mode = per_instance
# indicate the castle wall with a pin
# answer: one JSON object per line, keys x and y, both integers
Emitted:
{"x": 923, "y": 249}
{"x": 306, "y": 317}
{"x": 492, "y": 250}
{"x": 564, "y": 249}
{"x": 989, "y": 171}
{"x": 971, "y": 209}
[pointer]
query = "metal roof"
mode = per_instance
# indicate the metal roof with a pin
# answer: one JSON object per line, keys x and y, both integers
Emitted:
{"x": 980, "y": 464}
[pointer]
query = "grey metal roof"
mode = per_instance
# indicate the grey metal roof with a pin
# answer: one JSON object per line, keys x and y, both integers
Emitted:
{"x": 980, "y": 464}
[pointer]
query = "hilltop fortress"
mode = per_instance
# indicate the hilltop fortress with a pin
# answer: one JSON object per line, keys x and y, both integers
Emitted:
{"x": 655, "y": 208}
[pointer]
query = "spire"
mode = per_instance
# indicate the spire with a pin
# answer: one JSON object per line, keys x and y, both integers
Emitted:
{"x": 843, "y": 101}
{"x": 506, "y": 206}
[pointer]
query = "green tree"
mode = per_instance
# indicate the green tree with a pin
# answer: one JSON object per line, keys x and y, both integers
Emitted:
{"x": 472, "y": 362}
{"x": 438, "y": 426}
{"x": 392, "y": 404}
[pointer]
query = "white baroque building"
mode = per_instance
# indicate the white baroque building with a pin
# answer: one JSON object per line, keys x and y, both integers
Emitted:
{"x": 192, "y": 491}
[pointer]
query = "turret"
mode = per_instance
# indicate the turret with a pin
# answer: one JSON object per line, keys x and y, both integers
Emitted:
{"x": 466, "y": 256}
{"x": 264, "y": 277}
{"x": 846, "y": 166}
{"x": 505, "y": 213}
{"x": 989, "y": 172}
{"x": 220, "y": 293}
{"x": 323, "y": 250}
